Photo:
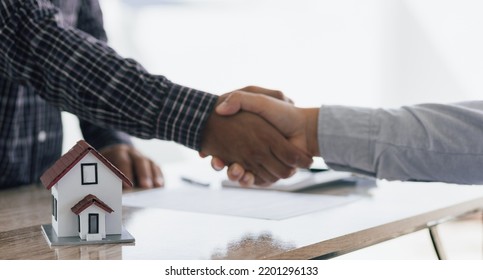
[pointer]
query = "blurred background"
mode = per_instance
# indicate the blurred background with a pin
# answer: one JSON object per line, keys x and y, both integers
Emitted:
{"x": 375, "y": 53}
{"x": 350, "y": 52}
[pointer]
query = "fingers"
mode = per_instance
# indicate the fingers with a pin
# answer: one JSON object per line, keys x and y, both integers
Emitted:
{"x": 252, "y": 99}
{"x": 262, "y": 176}
{"x": 158, "y": 177}
{"x": 288, "y": 119}
{"x": 277, "y": 168}
{"x": 217, "y": 163}
{"x": 269, "y": 92}
{"x": 284, "y": 158}
{"x": 278, "y": 161}
{"x": 143, "y": 169}
{"x": 246, "y": 138}
{"x": 277, "y": 113}
{"x": 247, "y": 180}
{"x": 147, "y": 173}
{"x": 238, "y": 174}
{"x": 235, "y": 172}
{"x": 292, "y": 156}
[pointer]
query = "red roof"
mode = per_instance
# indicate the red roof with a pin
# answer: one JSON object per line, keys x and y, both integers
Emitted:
{"x": 88, "y": 201}
{"x": 71, "y": 158}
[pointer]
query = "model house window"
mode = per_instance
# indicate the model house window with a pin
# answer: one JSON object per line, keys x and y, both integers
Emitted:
{"x": 54, "y": 207}
{"x": 89, "y": 173}
{"x": 93, "y": 223}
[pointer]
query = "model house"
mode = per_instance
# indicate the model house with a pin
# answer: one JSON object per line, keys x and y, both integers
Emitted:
{"x": 86, "y": 194}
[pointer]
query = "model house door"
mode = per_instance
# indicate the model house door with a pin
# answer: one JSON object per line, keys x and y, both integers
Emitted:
{"x": 93, "y": 223}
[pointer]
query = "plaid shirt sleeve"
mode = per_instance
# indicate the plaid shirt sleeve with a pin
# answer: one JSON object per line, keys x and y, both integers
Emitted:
{"x": 78, "y": 73}
{"x": 90, "y": 20}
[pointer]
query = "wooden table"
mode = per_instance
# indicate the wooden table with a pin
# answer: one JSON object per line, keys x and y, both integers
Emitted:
{"x": 392, "y": 209}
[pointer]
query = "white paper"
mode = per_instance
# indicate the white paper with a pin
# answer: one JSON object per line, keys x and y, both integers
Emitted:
{"x": 303, "y": 179}
{"x": 271, "y": 205}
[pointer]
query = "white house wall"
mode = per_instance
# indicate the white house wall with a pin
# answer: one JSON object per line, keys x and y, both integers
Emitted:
{"x": 55, "y": 224}
{"x": 71, "y": 191}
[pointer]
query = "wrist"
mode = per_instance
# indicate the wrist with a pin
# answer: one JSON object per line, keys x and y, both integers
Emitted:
{"x": 210, "y": 128}
{"x": 311, "y": 130}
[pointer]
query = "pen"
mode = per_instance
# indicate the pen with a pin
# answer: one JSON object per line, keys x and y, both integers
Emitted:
{"x": 316, "y": 170}
{"x": 194, "y": 182}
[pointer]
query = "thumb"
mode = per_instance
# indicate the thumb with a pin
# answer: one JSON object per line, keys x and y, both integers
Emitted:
{"x": 230, "y": 106}
{"x": 245, "y": 101}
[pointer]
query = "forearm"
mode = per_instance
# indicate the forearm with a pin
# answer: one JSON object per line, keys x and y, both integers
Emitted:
{"x": 82, "y": 75}
{"x": 424, "y": 143}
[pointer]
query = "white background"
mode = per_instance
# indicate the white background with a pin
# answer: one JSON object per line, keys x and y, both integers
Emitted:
{"x": 349, "y": 52}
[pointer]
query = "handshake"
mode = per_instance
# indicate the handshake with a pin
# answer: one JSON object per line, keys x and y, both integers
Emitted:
{"x": 260, "y": 135}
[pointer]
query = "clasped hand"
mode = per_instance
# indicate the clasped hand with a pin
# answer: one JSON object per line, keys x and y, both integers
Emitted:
{"x": 260, "y": 135}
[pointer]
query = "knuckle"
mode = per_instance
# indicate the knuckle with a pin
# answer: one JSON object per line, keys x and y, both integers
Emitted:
{"x": 259, "y": 181}
{"x": 233, "y": 96}
{"x": 279, "y": 94}
{"x": 272, "y": 179}
{"x": 256, "y": 157}
{"x": 286, "y": 173}
{"x": 250, "y": 88}
{"x": 291, "y": 158}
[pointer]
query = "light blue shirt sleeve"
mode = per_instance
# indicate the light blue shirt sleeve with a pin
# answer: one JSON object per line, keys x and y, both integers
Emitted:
{"x": 427, "y": 142}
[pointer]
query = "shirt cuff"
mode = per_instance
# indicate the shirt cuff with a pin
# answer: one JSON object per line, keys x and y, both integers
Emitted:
{"x": 184, "y": 116}
{"x": 345, "y": 138}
